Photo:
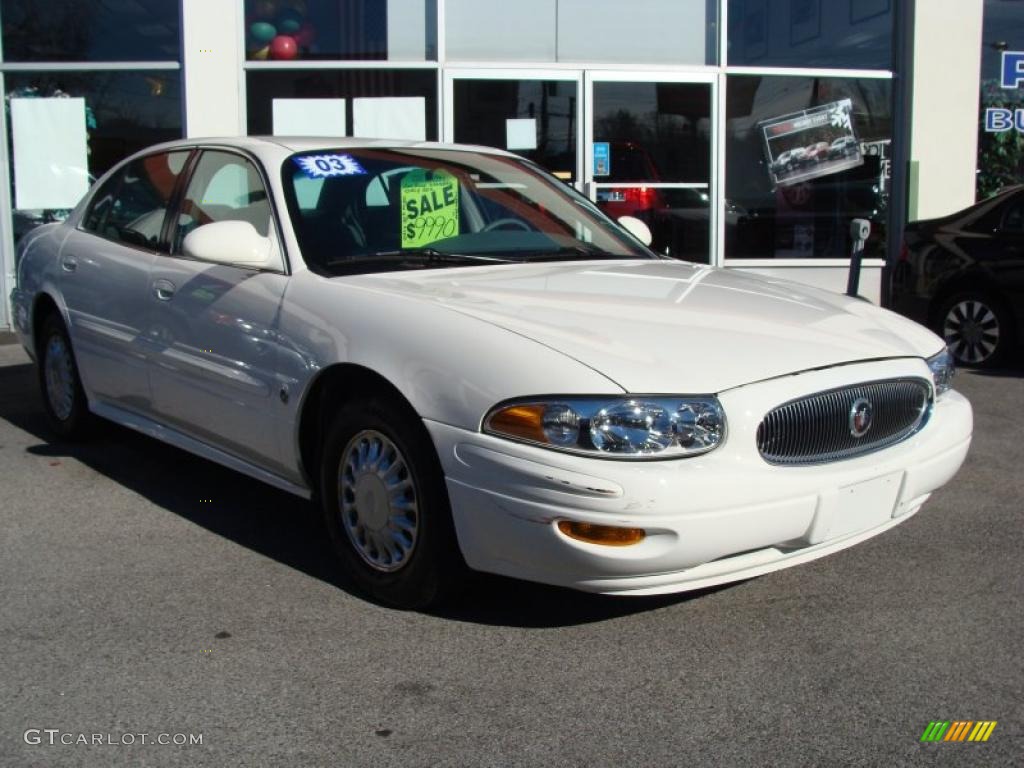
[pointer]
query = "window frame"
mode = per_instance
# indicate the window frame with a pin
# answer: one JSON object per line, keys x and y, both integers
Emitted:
{"x": 171, "y": 222}
{"x": 117, "y": 173}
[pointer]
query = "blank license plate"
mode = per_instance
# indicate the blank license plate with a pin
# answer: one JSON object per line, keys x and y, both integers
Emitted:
{"x": 865, "y": 505}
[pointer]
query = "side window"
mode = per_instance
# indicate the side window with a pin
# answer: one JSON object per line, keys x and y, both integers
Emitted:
{"x": 223, "y": 187}
{"x": 130, "y": 207}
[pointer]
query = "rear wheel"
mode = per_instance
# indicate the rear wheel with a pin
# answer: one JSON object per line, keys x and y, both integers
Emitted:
{"x": 386, "y": 507}
{"x": 977, "y": 329}
{"x": 63, "y": 397}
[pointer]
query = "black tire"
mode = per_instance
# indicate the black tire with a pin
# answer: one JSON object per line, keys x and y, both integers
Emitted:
{"x": 64, "y": 401}
{"x": 431, "y": 570}
{"x": 977, "y": 327}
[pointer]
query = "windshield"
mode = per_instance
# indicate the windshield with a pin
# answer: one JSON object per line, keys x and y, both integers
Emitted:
{"x": 373, "y": 210}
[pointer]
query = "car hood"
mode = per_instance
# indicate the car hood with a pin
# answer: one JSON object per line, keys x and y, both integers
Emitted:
{"x": 666, "y": 326}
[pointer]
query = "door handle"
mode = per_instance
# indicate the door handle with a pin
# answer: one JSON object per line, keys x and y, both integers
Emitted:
{"x": 69, "y": 263}
{"x": 163, "y": 289}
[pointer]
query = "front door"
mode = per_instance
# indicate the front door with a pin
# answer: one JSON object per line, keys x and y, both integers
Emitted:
{"x": 215, "y": 345}
{"x": 649, "y": 139}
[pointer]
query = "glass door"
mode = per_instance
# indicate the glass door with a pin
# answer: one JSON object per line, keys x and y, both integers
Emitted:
{"x": 648, "y": 141}
{"x": 534, "y": 113}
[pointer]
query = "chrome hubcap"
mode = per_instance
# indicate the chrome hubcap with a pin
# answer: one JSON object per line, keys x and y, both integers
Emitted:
{"x": 378, "y": 501}
{"x": 60, "y": 379}
{"x": 971, "y": 331}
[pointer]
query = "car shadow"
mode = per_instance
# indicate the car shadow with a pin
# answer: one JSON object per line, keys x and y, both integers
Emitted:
{"x": 1012, "y": 370}
{"x": 279, "y": 525}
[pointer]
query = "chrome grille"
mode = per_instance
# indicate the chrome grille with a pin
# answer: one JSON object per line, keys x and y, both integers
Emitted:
{"x": 817, "y": 428}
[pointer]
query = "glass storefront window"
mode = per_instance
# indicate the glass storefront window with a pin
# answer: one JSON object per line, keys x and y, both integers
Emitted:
{"x": 495, "y": 30}
{"x": 370, "y": 103}
{"x": 90, "y": 30}
{"x": 1000, "y": 153}
{"x": 652, "y": 160}
{"x": 394, "y": 30}
{"x": 804, "y": 156}
{"x": 124, "y": 112}
{"x": 537, "y": 119}
{"x": 662, "y": 31}
{"x": 670, "y": 122}
{"x": 811, "y": 33}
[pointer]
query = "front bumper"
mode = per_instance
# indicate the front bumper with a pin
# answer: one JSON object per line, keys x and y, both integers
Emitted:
{"x": 723, "y": 516}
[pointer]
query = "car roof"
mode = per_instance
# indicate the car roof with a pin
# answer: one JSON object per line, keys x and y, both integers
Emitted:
{"x": 264, "y": 145}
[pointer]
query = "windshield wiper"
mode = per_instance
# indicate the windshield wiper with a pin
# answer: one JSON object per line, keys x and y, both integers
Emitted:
{"x": 581, "y": 252}
{"x": 423, "y": 254}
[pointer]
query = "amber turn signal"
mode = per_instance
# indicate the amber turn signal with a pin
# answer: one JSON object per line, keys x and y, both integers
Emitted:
{"x": 522, "y": 421}
{"x": 608, "y": 535}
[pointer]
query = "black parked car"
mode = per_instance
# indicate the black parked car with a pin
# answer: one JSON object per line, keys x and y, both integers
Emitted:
{"x": 963, "y": 276}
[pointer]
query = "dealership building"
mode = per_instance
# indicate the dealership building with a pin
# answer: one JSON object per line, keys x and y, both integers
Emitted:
{"x": 747, "y": 133}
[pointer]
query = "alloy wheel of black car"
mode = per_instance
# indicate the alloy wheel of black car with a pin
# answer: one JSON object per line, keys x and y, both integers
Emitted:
{"x": 975, "y": 329}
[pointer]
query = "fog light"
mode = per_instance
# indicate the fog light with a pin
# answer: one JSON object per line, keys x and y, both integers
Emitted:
{"x": 608, "y": 535}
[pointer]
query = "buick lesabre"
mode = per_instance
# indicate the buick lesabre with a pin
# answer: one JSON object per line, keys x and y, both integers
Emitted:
{"x": 466, "y": 364}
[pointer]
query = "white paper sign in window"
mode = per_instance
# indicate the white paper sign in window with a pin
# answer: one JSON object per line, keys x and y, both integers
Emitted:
{"x": 309, "y": 117}
{"x": 51, "y": 161}
{"x": 390, "y": 117}
{"x": 521, "y": 133}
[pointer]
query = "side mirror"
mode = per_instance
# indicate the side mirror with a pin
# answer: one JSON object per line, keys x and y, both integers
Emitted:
{"x": 636, "y": 228}
{"x": 236, "y": 243}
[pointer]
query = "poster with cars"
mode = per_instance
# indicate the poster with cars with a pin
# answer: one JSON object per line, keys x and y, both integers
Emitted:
{"x": 811, "y": 143}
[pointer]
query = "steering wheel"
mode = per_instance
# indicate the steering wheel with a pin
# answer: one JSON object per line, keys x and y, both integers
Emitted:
{"x": 509, "y": 221}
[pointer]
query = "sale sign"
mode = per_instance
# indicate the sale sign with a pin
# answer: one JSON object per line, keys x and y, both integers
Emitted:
{"x": 430, "y": 207}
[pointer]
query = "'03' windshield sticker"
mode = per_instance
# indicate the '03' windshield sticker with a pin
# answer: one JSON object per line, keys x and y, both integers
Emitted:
{"x": 430, "y": 207}
{"x": 324, "y": 166}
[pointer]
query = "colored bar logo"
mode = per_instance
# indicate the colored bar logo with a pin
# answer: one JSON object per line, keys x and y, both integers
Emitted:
{"x": 958, "y": 730}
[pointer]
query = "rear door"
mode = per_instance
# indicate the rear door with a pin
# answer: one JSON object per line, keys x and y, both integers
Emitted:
{"x": 105, "y": 265}
{"x": 215, "y": 343}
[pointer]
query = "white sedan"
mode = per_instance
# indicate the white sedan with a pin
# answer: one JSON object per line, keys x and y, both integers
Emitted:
{"x": 466, "y": 364}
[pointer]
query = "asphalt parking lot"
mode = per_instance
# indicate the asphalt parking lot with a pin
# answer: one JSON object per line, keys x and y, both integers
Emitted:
{"x": 143, "y": 591}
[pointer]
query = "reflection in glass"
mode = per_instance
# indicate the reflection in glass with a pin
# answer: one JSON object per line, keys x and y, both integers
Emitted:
{"x": 131, "y": 205}
{"x": 124, "y": 112}
{"x": 669, "y": 122}
{"x": 544, "y": 114}
{"x": 657, "y": 132}
{"x": 808, "y": 218}
{"x": 90, "y": 30}
{"x": 1000, "y": 155}
{"x": 267, "y": 85}
{"x": 285, "y": 30}
{"x": 856, "y": 34}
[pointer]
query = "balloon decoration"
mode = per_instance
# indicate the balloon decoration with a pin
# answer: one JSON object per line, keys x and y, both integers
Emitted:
{"x": 279, "y": 30}
{"x": 283, "y": 48}
{"x": 263, "y": 32}
{"x": 290, "y": 21}
{"x": 305, "y": 35}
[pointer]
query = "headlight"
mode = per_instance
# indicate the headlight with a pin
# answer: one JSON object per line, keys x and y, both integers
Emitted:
{"x": 943, "y": 370}
{"x": 626, "y": 427}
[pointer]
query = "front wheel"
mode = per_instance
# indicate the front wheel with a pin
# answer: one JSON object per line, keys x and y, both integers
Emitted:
{"x": 386, "y": 507}
{"x": 63, "y": 396}
{"x": 977, "y": 329}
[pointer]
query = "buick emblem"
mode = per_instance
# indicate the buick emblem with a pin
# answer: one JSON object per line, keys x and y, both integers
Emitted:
{"x": 860, "y": 417}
